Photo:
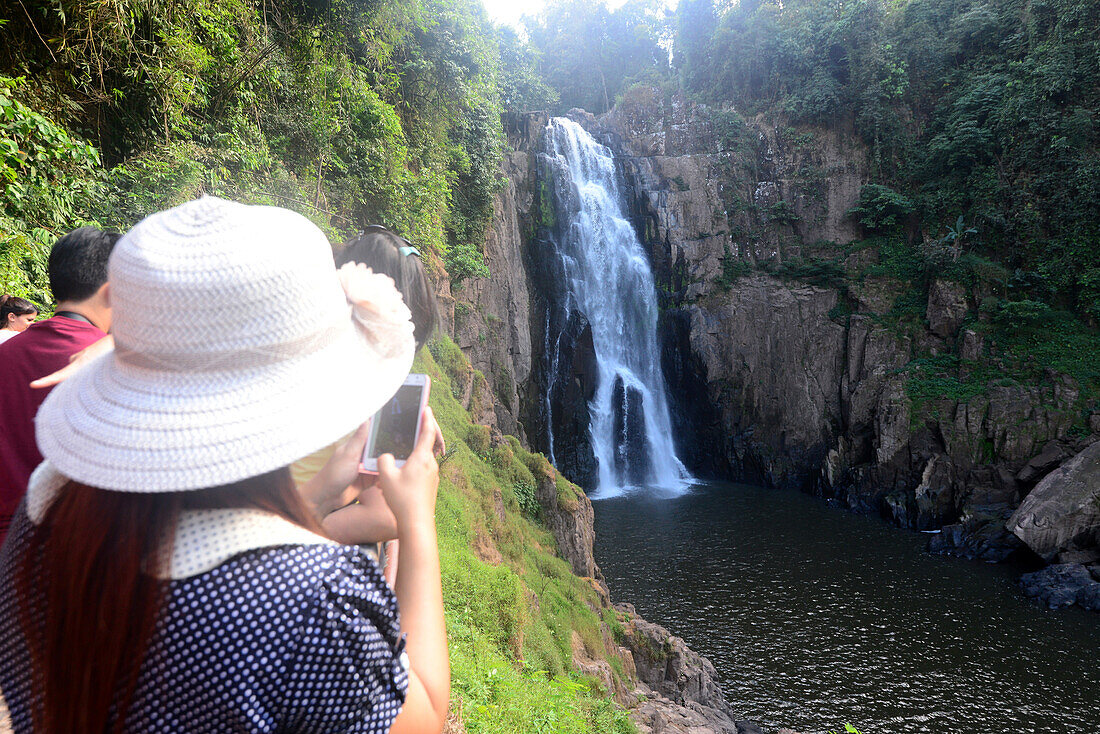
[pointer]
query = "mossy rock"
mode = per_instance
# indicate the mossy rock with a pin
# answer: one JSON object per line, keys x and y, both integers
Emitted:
{"x": 477, "y": 438}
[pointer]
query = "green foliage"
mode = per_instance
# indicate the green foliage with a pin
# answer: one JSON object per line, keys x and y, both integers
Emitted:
{"x": 1022, "y": 314}
{"x": 940, "y": 378}
{"x": 465, "y": 259}
{"x": 840, "y": 312}
{"x": 781, "y": 213}
{"x": 880, "y": 208}
{"x": 733, "y": 269}
{"x": 971, "y": 109}
{"x": 352, "y": 113}
{"x": 477, "y": 438}
{"x": 50, "y": 179}
{"x": 525, "y": 495}
{"x": 1028, "y": 340}
{"x": 522, "y": 88}
{"x": 896, "y": 258}
{"x": 821, "y": 272}
{"x": 511, "y": 622}
{"x": 1037, "y": 339}
{"x": 848, "y": 729}
{"x": 591, "y": 54}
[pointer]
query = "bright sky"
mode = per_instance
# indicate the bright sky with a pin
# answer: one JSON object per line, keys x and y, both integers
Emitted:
{"x": 509, "y": 11}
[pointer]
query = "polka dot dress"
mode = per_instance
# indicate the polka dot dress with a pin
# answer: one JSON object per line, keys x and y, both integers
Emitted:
{"x": 292, "y": 638}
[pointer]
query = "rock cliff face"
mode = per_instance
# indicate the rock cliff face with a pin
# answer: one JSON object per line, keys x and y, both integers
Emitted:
{"x": 492, "y": 316}
{"x": 496, "y": 321}
{"x": 778, "y": 373}
{"x": 788, "y": 373}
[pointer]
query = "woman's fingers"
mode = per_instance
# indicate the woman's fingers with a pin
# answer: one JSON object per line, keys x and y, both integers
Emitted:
{"x": 411, "y": 490}
{"x": 353, "y": 447}
{"x": 429, "y": 433}
{"x": 76, "y": 363}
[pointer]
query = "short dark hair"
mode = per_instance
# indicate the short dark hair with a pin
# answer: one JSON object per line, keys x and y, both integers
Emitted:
{"x": 78, "y": 263}
{"x": 380, "y": 249}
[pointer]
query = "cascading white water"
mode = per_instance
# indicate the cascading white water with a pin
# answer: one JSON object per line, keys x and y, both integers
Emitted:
{"x": 608, "y": 279}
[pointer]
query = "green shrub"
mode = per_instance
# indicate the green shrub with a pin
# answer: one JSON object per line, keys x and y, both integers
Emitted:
{"x": 50, "y": 182}
{"x": 781, "y": 213}
{"x": 733, "y": 269}
{"x": 525, "y": 495}
{"x": 1019, "y": 314}
{"x": 477, "y": 438}
{"x": 880, "y": 208}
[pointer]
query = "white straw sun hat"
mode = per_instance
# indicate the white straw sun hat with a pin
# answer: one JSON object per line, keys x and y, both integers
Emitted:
{"x": 237, "y": 351}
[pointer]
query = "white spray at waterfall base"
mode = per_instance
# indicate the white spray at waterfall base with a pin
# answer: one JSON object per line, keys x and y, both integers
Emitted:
{"x": 609, "y": 280}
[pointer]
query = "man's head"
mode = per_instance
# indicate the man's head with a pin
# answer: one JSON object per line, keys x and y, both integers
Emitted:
{"x": 78, "y": 263}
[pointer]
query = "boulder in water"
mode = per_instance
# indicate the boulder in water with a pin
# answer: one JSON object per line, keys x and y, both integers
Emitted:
{"x": 1063, "y": 584}
{"x": 1063, "y": 511}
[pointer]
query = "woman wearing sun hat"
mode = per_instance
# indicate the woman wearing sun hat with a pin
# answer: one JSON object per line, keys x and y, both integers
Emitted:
{"x": 164, "y": 574}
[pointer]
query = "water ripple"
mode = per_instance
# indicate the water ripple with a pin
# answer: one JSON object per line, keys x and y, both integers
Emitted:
{"x": 814, "y": 617}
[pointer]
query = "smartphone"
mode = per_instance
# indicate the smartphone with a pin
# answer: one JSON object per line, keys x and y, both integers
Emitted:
{"x": 394, "y": 428}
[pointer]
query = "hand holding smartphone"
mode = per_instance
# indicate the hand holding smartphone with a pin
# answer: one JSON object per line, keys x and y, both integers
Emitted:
{"x": 394, "y": 428}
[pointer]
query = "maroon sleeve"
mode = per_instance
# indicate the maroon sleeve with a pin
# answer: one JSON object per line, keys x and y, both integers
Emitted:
{"x": 43, "y": 348}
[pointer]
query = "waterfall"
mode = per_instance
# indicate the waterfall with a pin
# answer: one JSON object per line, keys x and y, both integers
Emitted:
{"x": 606, "y": 278}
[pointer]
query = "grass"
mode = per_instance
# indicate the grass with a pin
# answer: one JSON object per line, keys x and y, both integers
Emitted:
{"x": 939, "y": 378}
{"x": 513, "y": 607}
{"x": 1060, "y": 342}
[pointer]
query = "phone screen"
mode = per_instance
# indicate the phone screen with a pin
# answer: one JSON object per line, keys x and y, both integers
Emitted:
{"x": 395, "y": 430}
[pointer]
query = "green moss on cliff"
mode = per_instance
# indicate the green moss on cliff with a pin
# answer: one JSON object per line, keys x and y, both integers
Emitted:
{"x": 513, "y": 607}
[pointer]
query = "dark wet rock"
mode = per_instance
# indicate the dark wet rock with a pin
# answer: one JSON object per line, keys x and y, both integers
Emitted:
{"x": 1050, "y": 457}
{"x": 678, "y": 686}
{"x": 935, "y": 495}
{"x": 1087, "y": 557}
{"x": 749, "y": 727}
{"x": 1089, "y": 596}
{"x": 971, "y": 346}
{"x": 1062, "y": 585}
{"x": 946, "y": 308}
{"x": 572, "y": 386}
{"x": 490, "y": 318}
{"x": 667, "y": 665}
{"x": 632, "y": 464}
{"x": 1063, "y": 511}
{"x": 980, "y": 535}
{"x": 773, "y": 359}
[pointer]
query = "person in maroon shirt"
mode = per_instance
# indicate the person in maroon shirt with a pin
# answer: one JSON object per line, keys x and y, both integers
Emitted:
{"x": 78, "y": 278}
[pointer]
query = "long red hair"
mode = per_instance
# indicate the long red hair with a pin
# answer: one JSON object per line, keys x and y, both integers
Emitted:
{"x": 89, "y": 591}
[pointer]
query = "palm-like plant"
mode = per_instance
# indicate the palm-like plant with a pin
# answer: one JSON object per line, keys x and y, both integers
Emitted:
{"x": 953, "y": 240}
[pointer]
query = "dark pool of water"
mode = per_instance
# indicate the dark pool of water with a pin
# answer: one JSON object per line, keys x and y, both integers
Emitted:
{"x": 815, "y": 617}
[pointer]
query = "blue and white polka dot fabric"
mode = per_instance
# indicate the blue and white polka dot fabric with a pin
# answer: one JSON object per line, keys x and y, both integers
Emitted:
{"x": 290, "y": 638}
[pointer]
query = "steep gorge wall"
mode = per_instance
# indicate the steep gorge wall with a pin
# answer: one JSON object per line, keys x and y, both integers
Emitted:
{"x": 784, "y": 376}
{"x": 497, "y": 322}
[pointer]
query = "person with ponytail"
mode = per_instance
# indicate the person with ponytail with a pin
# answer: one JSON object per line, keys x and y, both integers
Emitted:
{"x": 163, "y": 572}
{"x": 368, "y": 521}
{"x": 16, "y": 314}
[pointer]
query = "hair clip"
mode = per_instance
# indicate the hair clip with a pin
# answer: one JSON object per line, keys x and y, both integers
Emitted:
{"x": 409, "y": 250}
